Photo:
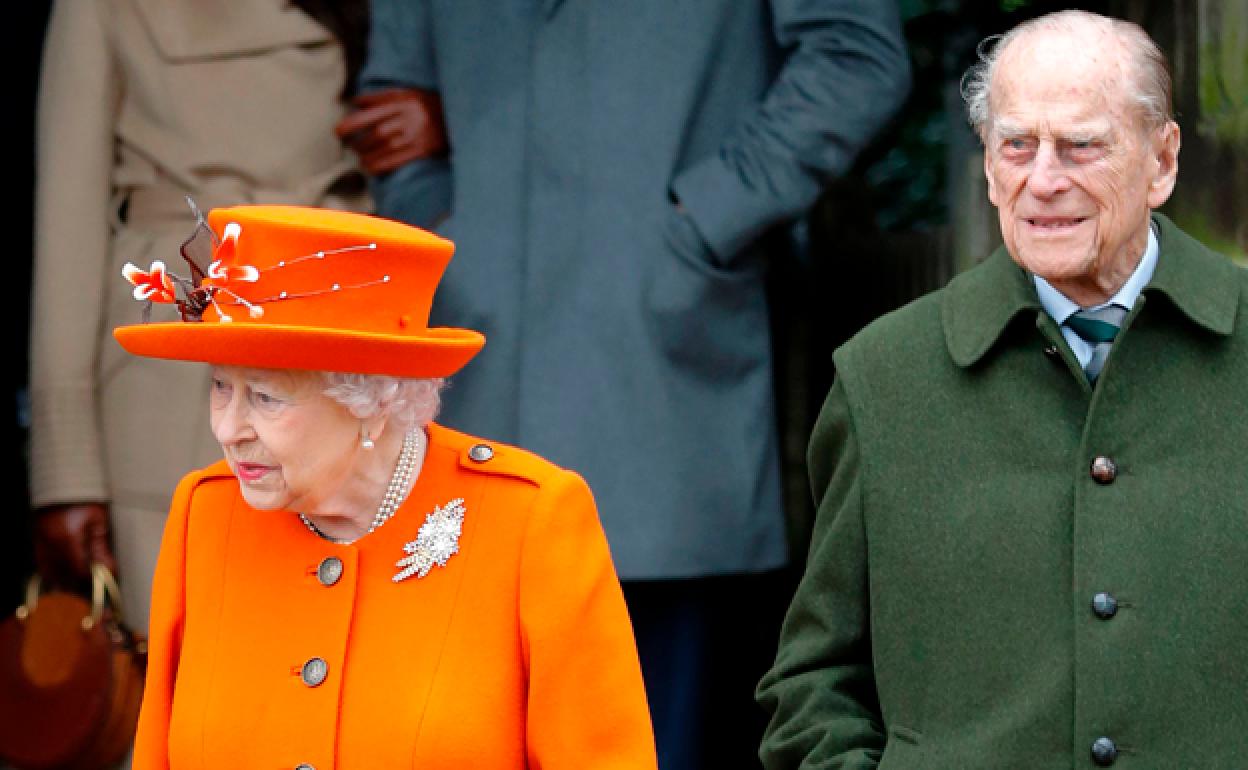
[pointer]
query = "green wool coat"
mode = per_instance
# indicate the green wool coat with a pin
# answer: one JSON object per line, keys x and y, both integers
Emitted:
{"x": 945, "y": 619}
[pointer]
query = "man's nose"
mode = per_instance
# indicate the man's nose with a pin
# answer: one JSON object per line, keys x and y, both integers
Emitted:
{"x": 1048, "y": 176}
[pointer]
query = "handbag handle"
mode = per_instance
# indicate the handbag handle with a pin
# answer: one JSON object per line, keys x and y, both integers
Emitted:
{"x": 104, "y": 590}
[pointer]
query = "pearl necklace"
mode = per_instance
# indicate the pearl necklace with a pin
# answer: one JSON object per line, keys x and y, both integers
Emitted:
{"x": 396, "y": 492}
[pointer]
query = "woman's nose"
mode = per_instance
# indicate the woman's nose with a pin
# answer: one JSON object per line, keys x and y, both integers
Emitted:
{"x": 230, "y": 423}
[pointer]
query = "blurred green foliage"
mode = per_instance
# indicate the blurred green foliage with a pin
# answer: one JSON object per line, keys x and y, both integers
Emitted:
{"x": 1223, "y": 84}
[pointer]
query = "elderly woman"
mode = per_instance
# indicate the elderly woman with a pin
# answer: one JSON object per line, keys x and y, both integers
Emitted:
{"x": 355, "y": 586}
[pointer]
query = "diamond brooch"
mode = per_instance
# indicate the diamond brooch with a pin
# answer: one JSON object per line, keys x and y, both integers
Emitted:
{"x": 437, "y": 541}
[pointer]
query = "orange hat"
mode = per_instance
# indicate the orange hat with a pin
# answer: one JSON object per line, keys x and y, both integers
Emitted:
{"x": 303, "y": 288}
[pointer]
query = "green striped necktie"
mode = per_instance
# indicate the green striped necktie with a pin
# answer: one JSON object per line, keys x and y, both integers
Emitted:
{"x": 1098, "y": 328}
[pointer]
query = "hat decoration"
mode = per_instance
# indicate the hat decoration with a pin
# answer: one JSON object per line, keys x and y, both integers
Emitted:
{"x": 283, "y": 287}
{"x": 157, "y": 284}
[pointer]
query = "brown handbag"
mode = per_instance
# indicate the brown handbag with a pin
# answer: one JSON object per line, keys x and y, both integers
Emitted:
{"x": 71, "y": 679}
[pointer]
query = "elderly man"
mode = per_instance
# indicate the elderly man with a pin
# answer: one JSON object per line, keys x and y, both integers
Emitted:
{"x": 1032, "y": 538}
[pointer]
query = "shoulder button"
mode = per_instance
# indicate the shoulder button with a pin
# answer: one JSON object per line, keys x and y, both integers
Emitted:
{"x": 481, "y": 453}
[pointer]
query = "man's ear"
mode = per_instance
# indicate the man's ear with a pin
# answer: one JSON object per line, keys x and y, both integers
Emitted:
{"x": 1165, "y": 157}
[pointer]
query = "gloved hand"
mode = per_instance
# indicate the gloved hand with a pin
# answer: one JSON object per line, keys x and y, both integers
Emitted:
{"x": 394, "y": 126}
{"x": 68, "y": 538}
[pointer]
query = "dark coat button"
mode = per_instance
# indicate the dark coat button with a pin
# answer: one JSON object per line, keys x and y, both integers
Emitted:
{"x": 1104, "y": 605}
{"x": 1052, "y": 352}
{"x": 1104, "y": 752}
{"x": 314, "y": 672}
{"x": 1104, "y": 470}
{"x": 481, "y": 452}
{"x": 329, "y": 570}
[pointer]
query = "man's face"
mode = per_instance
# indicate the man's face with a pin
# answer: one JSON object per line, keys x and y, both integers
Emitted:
{"x": 1071, "y": 168}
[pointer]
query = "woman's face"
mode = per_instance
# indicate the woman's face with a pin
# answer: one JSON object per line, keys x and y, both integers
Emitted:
{"x": 291, "y": 446}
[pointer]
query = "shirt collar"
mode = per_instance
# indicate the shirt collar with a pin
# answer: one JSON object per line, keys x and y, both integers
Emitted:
{"x": 1061, "y": 307}
{"x": 979, "y": 304}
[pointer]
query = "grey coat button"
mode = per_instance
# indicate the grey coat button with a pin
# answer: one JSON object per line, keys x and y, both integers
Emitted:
{"x": 314, "y": 672}
{"x": 481, "y": 452}
{"x": 304, "y": 766}
{"x": 1104, "y": 470}
{"x": 1104, "y": 752}
{"x": 329, "y": 571}
{"x": 1104, "y": 605}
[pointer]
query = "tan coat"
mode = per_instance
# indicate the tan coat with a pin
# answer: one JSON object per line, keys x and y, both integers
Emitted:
{"x": 141, "y": 103}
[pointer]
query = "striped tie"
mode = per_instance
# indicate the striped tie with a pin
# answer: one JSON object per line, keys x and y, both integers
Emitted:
{"x": 1097, "y": 328}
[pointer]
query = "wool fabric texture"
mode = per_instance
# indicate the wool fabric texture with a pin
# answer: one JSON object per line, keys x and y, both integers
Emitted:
{"x": 945, "y": 618}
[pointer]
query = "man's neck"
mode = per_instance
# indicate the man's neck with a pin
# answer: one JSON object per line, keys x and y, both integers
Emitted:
{"x": 1061, "y": 299}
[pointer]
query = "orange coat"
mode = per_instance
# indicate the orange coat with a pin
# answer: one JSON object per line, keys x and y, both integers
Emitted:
{"x": 518, "y": 653}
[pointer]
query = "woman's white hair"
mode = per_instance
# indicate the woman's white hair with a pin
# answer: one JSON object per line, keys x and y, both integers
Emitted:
{"x": 409, "y": 402}
{"x": 1149, "y": 82}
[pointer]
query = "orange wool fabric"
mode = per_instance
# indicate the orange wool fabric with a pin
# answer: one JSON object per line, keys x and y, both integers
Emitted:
{"x": 334, "y": 291}
{"x": 517, "y": 654}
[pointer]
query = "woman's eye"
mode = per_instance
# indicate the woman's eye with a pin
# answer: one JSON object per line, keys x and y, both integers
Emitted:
{"x": 266, "y": 399}
{"x": 220, "y": 392}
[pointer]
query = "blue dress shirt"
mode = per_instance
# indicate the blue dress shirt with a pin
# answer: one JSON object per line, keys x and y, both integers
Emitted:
{"x": 1060, "y": 307}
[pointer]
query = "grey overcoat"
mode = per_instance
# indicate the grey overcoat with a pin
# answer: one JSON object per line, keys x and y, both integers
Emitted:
{"x": 1010, "y": 567}
{"x": 627, "y": 337}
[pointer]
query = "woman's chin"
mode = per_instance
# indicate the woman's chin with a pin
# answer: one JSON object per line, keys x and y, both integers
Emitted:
{"x": 262, "y": 499}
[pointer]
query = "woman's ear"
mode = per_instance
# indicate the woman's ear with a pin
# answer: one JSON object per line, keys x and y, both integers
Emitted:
{"x": 372, "y": 429}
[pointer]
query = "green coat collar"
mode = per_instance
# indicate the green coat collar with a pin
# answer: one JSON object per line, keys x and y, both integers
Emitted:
{"x": 979, "y": 304}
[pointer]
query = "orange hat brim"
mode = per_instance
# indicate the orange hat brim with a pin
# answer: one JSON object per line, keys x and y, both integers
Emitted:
{"x": 434, "y": 352}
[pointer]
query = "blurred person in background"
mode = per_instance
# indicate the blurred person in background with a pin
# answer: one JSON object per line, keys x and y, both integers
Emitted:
{"x": 615, "y": 177}
{"x": 142, "y": 103}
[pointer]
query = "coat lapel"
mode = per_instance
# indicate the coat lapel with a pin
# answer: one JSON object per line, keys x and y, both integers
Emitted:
{"x": 981, "y": 303}
{"x": 1203, "y": 284}
{"x": 206, "y": 29}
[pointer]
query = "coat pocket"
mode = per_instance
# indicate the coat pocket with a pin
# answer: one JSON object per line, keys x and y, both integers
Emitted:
{"x": 706, "y": 319}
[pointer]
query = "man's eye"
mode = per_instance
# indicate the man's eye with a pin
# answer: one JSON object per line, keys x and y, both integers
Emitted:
{"x": 1084, "y": 149}
{"x": 1017, "y": 146}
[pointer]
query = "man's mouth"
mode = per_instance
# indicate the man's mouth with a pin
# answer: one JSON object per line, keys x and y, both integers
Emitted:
{"x": 1055, "y": 223}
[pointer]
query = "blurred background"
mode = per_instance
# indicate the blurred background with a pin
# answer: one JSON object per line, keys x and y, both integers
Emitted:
{"x": 912, "y": 213}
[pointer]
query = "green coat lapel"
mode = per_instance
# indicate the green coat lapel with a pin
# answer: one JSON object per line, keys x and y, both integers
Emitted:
{"x": 980, "y": 304}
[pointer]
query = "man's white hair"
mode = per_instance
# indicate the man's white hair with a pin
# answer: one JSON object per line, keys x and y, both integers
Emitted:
{"x": 1148, "y": 80}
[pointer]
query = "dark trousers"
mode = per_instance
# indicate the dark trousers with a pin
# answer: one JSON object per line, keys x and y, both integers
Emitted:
{"x": 704, "y": 643}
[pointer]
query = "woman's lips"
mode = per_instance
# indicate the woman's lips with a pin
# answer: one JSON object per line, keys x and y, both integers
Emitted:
{"x": 251, "y": 471}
